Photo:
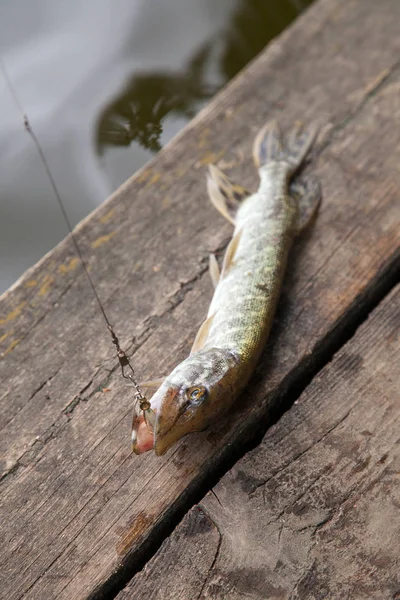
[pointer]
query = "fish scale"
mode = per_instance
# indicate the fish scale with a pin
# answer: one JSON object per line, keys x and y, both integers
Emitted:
{"x": 244, "y": 301}
{"x": 230, "y": 341}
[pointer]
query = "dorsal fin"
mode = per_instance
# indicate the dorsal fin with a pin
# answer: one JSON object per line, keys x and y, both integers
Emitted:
{"x": 230, "y": 253}
{"x": 225, "y": 195}
{"x": 214, "y": 270}
{"x": 202, "y": 335}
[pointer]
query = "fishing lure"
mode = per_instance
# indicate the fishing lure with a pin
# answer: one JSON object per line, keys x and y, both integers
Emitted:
{"x": 142, "y": 405}
{"x": 229, "y": 342}
{"x": 231, "y": 339}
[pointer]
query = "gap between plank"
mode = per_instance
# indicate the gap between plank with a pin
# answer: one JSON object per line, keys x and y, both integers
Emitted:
{"x": 290, "y": 390}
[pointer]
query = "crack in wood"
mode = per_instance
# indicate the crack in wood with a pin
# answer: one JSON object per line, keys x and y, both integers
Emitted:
{"x": 303, "y": 452}
{"x": 212, "y": 566}
{"x": 344, "y": 326}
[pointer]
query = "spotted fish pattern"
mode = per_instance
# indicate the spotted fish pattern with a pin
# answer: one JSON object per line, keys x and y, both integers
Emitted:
{"x": 229, "y": 343}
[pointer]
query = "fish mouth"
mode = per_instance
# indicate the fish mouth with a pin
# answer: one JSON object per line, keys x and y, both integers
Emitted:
{"x": 165, "y": 432}
{"x": 164, "y": 443}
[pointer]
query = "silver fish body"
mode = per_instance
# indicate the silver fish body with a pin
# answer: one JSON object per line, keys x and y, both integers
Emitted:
{"x": 240, "y": 315}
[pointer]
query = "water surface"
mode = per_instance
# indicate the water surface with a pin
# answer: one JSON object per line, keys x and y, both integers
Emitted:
{"x": 106, "y": 83}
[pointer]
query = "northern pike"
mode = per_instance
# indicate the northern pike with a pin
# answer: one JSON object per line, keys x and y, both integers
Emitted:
{"x": 229, "y": 343}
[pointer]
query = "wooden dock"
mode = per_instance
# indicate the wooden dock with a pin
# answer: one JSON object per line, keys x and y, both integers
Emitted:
{"x": 296, "y": 494}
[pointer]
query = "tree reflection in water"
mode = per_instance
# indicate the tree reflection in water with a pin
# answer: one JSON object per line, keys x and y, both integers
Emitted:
{"x": 138, "y": 114}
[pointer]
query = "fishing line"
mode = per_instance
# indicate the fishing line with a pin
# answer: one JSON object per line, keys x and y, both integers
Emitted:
{"x": 121, "y": 355}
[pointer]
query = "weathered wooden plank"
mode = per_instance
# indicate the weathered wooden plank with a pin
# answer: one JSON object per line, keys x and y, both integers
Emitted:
{"x": 313, "y": 511}
{"x": 77, "y": 504}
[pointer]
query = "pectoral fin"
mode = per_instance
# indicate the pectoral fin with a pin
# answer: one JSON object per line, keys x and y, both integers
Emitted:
{"x": 202, "y": 335}
{"x": 152, "y": 384}
{"x": 225, "y": 195}
{"x": 214, "y": 270}
{"x": 230, "y": 253}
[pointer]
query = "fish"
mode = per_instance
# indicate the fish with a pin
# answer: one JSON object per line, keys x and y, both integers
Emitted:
{"x": 230, "y": 341}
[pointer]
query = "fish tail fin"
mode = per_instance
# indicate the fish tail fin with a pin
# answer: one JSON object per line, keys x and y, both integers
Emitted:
{"x": 225, "y": 195}
{"x": 268, "y": 146}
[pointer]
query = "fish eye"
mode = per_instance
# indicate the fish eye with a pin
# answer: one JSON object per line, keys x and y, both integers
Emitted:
{"x": 196, "y": 394}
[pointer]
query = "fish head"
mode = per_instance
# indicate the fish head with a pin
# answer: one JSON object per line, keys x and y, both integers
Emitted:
{"x": 194, "y": 395}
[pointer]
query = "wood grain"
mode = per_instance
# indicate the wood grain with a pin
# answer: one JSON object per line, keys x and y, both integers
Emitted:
{"x": 313, "y": 511}
{"x": 76, "y": 506}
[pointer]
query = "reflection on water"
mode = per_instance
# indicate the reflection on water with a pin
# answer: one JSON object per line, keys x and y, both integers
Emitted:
{"x": 69, "y": 62}
{"x": 138, "y": 114}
